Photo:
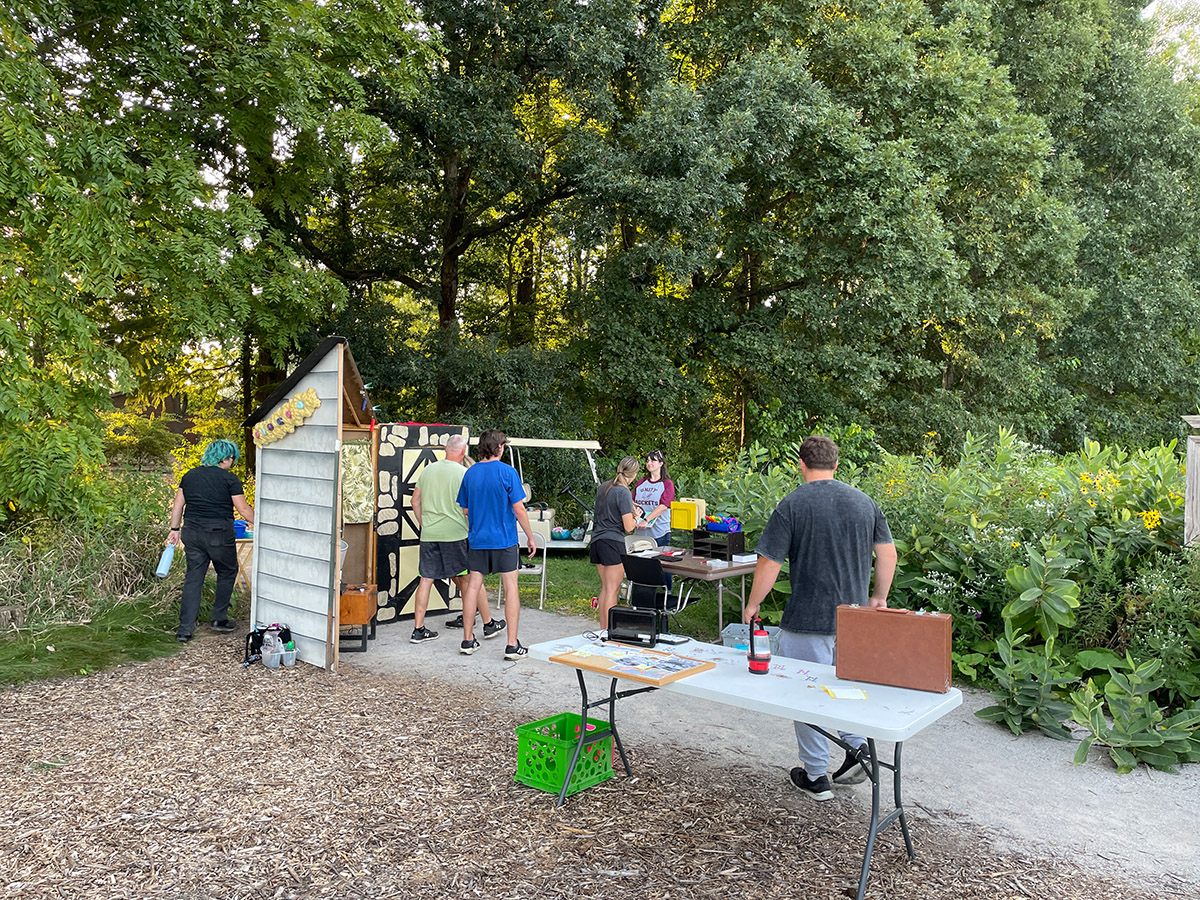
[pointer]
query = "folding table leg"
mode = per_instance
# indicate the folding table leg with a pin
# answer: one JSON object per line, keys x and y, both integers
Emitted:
{"x": 877, "y": 823}
{"x": 586, "y": 737}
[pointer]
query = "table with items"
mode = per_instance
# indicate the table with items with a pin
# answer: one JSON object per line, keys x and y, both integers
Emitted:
{"x": 793, "y": 689}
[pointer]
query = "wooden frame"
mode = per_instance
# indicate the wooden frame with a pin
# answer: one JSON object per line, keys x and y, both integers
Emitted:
{"x": 653, "y": 667}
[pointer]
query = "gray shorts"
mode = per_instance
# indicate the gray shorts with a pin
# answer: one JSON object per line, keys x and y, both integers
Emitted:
{"x": 442, "y": 559}
{"x": 494, "y": 562}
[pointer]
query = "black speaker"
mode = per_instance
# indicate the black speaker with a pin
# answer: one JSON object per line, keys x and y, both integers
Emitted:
{"x": 633, "y": 626}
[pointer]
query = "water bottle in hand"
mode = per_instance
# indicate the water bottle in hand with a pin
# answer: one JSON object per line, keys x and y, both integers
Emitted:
{"x": 164, "y": 561}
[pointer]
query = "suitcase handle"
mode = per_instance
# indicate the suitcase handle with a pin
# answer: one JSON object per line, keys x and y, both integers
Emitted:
{"x": 892, "y": 609}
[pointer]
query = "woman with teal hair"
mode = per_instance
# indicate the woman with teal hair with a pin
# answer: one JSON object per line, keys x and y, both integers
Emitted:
{"x": 202, "y": 518}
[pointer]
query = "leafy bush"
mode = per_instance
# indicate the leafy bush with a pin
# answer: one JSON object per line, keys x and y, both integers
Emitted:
{"x": 137, "y": 436}
{"x": 1125, "y": 718}
{"x": 1047, "y": 564}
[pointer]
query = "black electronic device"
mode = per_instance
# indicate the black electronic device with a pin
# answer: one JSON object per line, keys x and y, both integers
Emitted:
{"x": 633, "y": 626}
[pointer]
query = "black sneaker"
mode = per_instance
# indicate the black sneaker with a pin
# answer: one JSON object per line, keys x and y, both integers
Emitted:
{"x": 457, "y": 622}
{"x": 517, "y": 652}
{"x": 468, "y": 647}
{"x": 225, "y": 625}
{"x": 816, "y": 788}
{"x": 493, "y": 628}
{"x": 183, "y": 638}
{"x": 851, "y": 770}
{"x": 421, "y": 635}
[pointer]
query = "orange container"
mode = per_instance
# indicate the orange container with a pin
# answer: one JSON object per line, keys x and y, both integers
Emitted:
{"x": 357, "y": 605}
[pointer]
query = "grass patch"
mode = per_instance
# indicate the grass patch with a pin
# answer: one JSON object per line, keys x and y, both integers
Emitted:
{"x": 117, "y": 634}
{"x": 571, "y": 582}
{"x": 90, "y": 598}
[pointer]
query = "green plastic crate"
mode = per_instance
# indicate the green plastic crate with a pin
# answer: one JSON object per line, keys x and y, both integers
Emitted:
{"x": 544, "y": 750}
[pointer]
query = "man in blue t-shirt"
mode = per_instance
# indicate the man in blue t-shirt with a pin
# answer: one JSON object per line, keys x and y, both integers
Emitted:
{"x": 828, "y": 532}
{"x": 493, "y": 500}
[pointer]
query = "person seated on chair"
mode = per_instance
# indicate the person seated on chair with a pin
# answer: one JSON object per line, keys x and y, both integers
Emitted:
{"x": 613, "y": 519}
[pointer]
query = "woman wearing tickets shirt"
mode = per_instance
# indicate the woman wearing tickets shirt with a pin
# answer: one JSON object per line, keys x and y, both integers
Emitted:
{"x": 203, "y": 509}
{"x": 612, "y": 520}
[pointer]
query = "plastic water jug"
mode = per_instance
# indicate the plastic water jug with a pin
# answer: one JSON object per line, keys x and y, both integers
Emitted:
{"x": 164, "y": 561}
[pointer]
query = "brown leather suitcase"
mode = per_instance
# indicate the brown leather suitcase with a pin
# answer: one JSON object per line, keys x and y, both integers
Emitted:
{"x": 894, "y": 646}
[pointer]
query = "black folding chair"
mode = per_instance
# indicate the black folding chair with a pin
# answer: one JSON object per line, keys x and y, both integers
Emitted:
{"x": 648, "y": 589}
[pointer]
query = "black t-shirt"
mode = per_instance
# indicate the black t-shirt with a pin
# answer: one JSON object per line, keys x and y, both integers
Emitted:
{"x": 208, "y": 493}
{"x": 826, "y": 531}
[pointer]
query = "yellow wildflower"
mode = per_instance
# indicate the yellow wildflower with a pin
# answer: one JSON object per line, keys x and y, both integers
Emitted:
{"x": 1151, "y": 518}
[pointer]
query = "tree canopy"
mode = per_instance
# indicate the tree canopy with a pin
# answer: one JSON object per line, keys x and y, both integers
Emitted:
{"x": 688, "y": 224}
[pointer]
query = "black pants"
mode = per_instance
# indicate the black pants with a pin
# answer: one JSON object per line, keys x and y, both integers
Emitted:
{"x": 208, "y": 542}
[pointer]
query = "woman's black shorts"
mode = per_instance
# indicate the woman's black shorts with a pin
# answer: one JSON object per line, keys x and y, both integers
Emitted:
{"x": 607, "y": 553}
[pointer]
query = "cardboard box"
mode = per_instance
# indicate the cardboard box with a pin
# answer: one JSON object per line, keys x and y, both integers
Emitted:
{"x": 898, "y": 647}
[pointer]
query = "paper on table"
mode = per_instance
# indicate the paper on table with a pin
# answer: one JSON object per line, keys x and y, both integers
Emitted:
{"x": 845, "y": 693}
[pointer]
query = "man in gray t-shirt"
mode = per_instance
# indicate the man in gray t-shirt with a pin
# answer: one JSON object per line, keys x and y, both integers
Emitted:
{"x": 828, "y": 532}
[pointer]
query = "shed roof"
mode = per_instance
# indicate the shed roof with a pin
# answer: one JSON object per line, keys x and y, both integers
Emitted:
{"x": 354, "y": 390}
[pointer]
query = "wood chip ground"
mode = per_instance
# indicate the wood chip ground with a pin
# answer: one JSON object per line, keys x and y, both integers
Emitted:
{"x": 192, "y": 778}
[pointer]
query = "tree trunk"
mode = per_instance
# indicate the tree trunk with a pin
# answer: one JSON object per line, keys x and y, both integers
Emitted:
{"x": 248, "y": 402}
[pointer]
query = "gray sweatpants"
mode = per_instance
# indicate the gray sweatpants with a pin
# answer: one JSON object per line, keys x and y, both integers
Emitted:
{"x": 812, "y": 746}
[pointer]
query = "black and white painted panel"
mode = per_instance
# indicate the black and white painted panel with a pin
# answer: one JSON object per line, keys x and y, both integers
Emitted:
{"x": 403, "y": 451}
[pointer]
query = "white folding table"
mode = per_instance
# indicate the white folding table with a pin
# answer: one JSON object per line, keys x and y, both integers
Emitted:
{"x": 793, "y": 689}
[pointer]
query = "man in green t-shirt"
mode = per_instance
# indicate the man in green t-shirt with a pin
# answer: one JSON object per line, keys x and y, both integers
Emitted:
{"x": 443, "y": 552}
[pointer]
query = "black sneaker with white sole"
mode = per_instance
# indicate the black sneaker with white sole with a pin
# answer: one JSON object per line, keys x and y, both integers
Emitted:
{"x": 493, "y": 628}
{"x": 421, "y": 635}
{"x": 851, "y": 770}
{"x": 819, "y": 788}
{"x": 468, "y": 647}
{"x": 225, "y": 625}
{"x": 517, "y": 652}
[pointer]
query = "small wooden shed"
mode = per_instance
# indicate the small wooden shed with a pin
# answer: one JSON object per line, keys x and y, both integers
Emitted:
{"x": 315, "y": 494}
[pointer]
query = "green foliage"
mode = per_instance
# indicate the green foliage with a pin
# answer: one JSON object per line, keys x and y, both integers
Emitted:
{"x": 1126, "y": 719}
{"x": 137, "y": 436}
{"x": 64, "y": 572}
{"x": 1159, "y": 618}
{"x": 1030, "y": 683}
{"x": 1047, "y": 598}
{"x": 138, "y": 629}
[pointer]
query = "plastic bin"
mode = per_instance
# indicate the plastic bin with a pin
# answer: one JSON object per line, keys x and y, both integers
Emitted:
{"x": 272, "y": 658}
{"x": 687, "y": 513}
{"x": 289, "y": 657}
{"x": 737, "y": 635}
{"x": 545, "y": 747}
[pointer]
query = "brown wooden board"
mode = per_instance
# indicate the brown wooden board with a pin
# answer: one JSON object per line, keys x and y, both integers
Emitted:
{"x": 638, "y": 664}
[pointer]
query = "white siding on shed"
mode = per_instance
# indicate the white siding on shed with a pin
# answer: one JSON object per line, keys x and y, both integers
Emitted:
{"x": 295, "y": 545}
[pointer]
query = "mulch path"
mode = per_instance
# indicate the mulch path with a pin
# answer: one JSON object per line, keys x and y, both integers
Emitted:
{"x": 190, "y": 777}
